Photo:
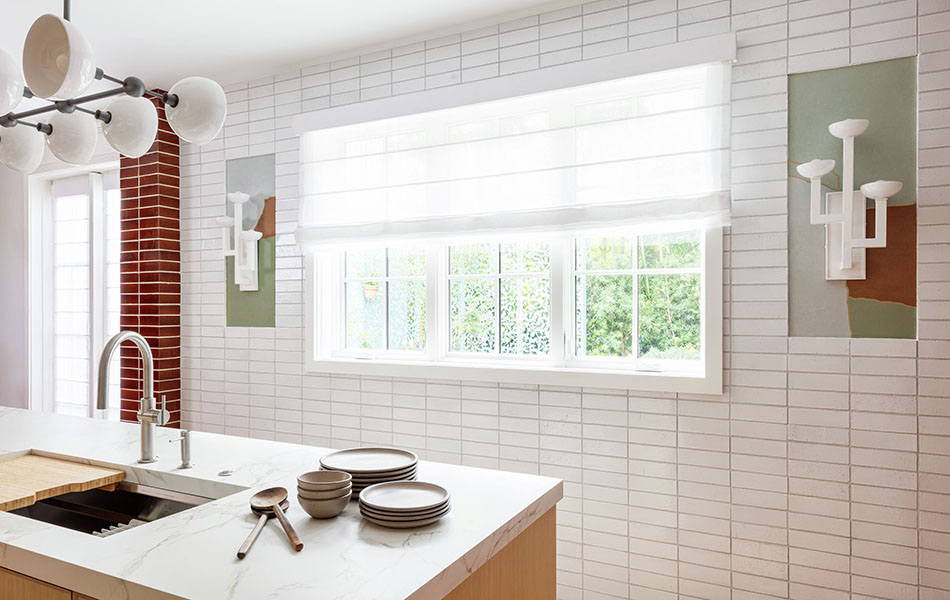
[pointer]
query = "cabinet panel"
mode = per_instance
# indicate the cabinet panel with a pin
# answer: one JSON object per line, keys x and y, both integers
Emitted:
{"x": 14, "y": 586}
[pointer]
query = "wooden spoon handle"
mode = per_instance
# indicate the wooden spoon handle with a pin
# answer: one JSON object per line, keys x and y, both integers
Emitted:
{"x": 294, "y": 538}
{"x": 246, "y": 546}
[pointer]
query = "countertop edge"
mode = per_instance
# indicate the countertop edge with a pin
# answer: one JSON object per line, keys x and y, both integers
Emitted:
{"x": 453, "y": 575}
{"x": 65, "y": 575}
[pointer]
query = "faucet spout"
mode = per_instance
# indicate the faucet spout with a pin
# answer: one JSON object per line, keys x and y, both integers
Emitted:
{"x": 149, "y": 415}
{"x": 148, "y": 375}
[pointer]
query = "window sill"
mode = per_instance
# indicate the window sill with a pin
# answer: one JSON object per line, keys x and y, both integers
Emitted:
{"x": 710, "y": 383}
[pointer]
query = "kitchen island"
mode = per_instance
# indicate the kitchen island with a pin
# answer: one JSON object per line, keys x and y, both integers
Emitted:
{"x": 497, "y": 542}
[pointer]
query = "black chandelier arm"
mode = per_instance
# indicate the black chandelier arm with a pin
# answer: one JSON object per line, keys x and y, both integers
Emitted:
{"x": 41, "y": 127}
{"x": 68, "y": 106}
{"x": 167, "y": 99}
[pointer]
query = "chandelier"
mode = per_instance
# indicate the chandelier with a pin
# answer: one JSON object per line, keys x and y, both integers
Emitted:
{"x": 58, "y": 66}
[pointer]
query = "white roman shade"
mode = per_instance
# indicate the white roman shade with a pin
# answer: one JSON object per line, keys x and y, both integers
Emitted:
{"x": 650, "y": 147}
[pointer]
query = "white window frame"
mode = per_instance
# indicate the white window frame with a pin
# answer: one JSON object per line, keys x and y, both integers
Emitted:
{"x": 40, "y": 272}
{"x": 324, "y": 324}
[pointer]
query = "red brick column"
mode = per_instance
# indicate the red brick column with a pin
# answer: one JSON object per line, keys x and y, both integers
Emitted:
{"x": 150, "y": 279}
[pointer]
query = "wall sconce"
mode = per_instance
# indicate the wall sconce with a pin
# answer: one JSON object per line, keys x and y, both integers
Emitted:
{"x": 845, "y": 215}
{"x": 244, "y": 249}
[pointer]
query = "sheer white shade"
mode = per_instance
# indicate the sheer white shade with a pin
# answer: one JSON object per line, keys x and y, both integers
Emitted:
{"x": 73, "y": 139}
{"x": 133, "y": 126}
{"x": 21, "y": 148}
{"x": 627, "y": 151}
{"x": 11, "y": 83}
{"x": 58, "y": 61}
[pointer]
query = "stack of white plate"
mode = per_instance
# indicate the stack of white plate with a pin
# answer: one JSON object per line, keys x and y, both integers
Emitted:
{"x": 404, "y": 504}
{"x": 370, "y": 466}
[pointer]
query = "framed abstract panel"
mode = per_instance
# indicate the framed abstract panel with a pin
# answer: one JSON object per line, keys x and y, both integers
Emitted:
{"x": 884, "y": 304}
{"x": 254, "y": 176}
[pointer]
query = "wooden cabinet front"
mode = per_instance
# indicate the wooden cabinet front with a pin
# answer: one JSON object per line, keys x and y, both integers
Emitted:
{"x": 14, "y": 586}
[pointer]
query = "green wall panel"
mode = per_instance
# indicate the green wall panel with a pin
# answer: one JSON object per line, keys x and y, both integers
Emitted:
{"x": 255, "y": 176}
{"x": 885, "y": 93}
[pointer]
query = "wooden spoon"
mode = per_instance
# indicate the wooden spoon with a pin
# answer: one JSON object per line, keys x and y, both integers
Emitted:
{"x": 270, "y": 499}
{"x": 264, "y": 516}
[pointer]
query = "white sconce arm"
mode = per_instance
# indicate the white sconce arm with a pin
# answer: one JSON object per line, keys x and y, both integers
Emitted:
{"x": 879, "y": 191}
{"x": 244, "y": 249}
{"x": 249, "y": 239}
{"x": 814, "y": 170}
{"x": 880, "y": 228}
{"x": 226, "y": 223}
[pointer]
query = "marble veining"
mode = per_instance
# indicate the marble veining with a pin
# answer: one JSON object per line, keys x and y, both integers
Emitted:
{"x": 191, "y": 554}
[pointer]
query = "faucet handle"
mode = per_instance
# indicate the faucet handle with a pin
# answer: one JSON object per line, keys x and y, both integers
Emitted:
{"x": 163, "y": 416}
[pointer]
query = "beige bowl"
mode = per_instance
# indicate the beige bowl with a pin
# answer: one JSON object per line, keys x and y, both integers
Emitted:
{"x": 318, "y": 481}
{"x": 324, "y": 509}
{"x": 323, "y": 494}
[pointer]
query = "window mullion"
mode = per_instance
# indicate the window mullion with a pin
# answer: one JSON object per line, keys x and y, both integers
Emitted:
{"x": 498, "y": 299}
{"x": 635, "y": 327}
{"x": 96, "y": 281}
{"x": 437, "y": 331}
{"x": 385, "y": 283}
{"x": 557, "y": 347}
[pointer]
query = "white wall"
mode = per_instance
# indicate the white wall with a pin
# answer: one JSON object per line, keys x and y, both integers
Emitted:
{"x": 823, "y": 471}
{"x": 13, "y": 300}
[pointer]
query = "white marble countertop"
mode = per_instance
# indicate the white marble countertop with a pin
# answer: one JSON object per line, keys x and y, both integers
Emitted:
{"x": 192, "y": 554}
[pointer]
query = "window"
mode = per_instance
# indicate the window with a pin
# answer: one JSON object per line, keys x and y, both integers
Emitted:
{"x": 384, "y": 294}
{"x": 570, "y": 236}
{"x": 75, "y": 239}
{"x": 639, "y": 296}
{"x": 612, "y": 304}
{"x": 500, "y": 298}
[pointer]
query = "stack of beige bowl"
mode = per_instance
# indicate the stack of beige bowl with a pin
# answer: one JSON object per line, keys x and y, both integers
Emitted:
{"x": 324, "y": 494}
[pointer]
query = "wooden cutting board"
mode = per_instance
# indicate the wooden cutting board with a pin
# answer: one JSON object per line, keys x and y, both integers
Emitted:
{"x": 28, "y": 478}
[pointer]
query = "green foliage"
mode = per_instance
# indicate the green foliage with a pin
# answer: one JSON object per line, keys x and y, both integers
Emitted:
{"x": 501, "y": 303}
{"x": 472, "y": 314}
{"x": 669, "y": 316}
{"x": 605, "y": 315}
{"x": 402, "y": 302}
{"x": 604, "y": 254}
{"x": 669, "y": 250}
{"x": 525, "y": 315}
{"x": 668, "y": 310}
{"x": 407, "y": 315}
{"x": 473, "y": 259}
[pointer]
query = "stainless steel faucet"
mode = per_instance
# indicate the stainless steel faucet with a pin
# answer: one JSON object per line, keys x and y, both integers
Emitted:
{"x": 149, "y": 414}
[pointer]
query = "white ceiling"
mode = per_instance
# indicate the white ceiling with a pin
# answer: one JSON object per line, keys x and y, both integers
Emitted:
{"x": 233, "y": 40}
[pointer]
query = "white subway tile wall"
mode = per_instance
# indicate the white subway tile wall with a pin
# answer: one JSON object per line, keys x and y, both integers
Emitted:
{"x": 823, "y": 472}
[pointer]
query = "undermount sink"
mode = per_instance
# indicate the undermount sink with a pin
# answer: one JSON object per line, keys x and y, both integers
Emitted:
{"x": 103, "y": 513}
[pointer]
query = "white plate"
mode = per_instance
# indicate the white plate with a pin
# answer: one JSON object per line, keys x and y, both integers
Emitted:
{"x": 384, "y": 476}
{"x": 406, "y": 516}
{"x": 363, "y": 486}
{"x": 359, "y": 488}
{"x": 404, "y": 496}
{"x": 369, "y": 460}
{"x": 403, "y": 524}
{"x": 376, "y": 517}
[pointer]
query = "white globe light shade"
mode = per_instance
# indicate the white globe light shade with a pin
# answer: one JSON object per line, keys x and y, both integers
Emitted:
{"x": 21, "y": 148}
{"x": 58, "y": 62}
{"x": 11, "y": 83}
{"x": 73, "y": 139}
{"x": 132, "y": 128}
{"x": 199, "y": 114}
